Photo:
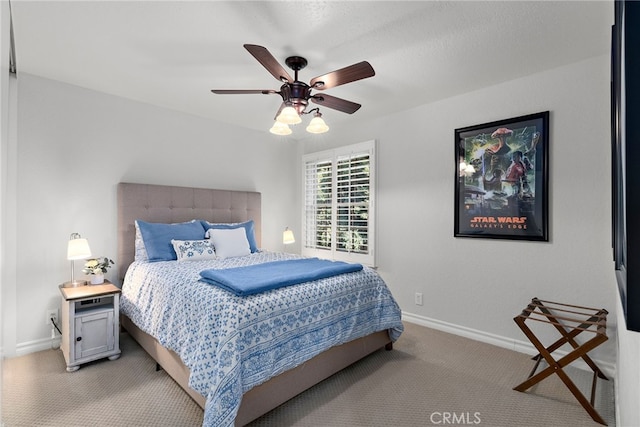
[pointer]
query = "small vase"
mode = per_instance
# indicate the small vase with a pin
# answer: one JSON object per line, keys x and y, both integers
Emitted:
{"x": 97, "y": 279}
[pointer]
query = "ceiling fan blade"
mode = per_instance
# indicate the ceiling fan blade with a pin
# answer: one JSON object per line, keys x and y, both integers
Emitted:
{"x": 359, "y": 71}
{"x": 269, "y": 62}
{"x": 336, "y": 103}
{"x": 242, "y": 91}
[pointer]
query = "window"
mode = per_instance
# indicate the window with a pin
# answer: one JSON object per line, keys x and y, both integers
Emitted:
{"x": 339, "y": 210}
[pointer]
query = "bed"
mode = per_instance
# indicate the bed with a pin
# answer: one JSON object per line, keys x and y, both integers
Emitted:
{"x": 264, "y": 388}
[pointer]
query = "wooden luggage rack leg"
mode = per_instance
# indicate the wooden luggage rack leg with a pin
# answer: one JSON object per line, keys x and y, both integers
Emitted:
{"x": 593, "y": 321}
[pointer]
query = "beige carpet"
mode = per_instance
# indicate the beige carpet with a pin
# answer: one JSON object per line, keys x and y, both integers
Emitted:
{"x": 430, "y": 378}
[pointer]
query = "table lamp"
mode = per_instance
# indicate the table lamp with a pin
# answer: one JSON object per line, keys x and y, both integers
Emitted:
{"x": 288, "y": 237}
{"x": 78, "y": 248}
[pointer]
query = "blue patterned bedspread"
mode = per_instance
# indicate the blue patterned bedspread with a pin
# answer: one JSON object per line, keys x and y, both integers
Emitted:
{"x": 233, "y": 343}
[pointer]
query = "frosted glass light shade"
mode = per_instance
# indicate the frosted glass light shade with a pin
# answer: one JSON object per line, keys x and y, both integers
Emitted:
{"x": 317, "y": 125}
{"x": 288, "y": 237}
{"x": 279, "y": 128}
{"x": 289, "y": 116}
{"x": 78, "y": 249}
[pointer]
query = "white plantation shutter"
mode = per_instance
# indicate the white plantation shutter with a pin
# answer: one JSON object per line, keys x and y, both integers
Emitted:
{"x": 338, "y": 216}
{"x": 318, "y": 200}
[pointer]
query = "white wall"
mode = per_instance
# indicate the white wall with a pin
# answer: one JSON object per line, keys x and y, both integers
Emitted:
{"x": 75, "y": 145}
{"x": 4, "y": 144}
{"x": 627, "y": 380}
{"x": 479, "y": 285}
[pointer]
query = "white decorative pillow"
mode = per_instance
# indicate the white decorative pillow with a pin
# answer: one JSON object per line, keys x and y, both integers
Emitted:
{"x": 249, "y": 227}
{"x": 230, "y": 242}
{"x": 193, "y": 250}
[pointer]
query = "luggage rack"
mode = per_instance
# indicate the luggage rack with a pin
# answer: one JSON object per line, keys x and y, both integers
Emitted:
{"x": 570, "y": 321}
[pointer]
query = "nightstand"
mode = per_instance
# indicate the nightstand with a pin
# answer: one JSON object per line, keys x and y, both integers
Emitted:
{"x": 90, "y": 324}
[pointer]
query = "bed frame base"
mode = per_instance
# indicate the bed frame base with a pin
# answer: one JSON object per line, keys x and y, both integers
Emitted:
{"x": 271, "y": 394}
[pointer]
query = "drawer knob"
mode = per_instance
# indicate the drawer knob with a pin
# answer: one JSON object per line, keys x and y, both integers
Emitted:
{"x": 79, "y": 339}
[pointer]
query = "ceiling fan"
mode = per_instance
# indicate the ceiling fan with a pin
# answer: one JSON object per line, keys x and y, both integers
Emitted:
{"x": 296, "y": 94}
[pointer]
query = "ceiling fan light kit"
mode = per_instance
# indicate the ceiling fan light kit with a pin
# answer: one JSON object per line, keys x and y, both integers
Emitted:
{"x": 296, "y": 94}
{"x": 317, "y": 125}
{"x": 280, "y": 128}
{"x": 289, "y": 116}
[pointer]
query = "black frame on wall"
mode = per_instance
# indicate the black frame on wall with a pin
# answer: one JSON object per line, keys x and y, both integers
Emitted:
{"x": 522, "y": 211}
{"x": 625, "y": 134}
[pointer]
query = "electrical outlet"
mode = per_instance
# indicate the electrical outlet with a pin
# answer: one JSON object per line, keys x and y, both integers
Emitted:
{"x": 418, "y": 298}
{"x": 51, "y": 313}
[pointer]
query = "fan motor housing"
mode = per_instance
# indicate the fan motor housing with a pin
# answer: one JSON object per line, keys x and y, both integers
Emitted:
{"x": 297, "y": 94}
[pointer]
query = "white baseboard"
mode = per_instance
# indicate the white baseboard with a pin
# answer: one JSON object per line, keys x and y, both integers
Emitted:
{"x": 37, "y": 345}
{"x": 509, "y": 343}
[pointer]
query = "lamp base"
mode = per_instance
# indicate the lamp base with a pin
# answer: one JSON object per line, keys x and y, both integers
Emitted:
{"x": 74, "y": 284}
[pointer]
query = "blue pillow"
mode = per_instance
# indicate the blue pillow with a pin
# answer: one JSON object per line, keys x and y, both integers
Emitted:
{"x": 157, "y": 237}
{"x": 248, "y": 227}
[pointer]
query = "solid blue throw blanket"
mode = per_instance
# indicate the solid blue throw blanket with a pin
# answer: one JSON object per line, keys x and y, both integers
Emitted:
{"x": 258, "y": 278}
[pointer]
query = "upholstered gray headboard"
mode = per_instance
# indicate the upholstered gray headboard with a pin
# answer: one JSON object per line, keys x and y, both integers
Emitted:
{"x": 167, "y": 204}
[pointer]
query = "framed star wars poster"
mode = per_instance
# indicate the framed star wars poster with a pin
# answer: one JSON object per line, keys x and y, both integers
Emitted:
{"x": 502, "y": 179}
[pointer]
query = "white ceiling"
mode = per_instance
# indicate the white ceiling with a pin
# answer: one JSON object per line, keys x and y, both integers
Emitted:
{"x": 172, "y": 53}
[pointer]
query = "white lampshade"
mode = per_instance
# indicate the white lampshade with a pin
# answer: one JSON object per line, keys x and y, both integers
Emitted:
{"x": 289, "y": 116}
{"x": 78, "y": 249}
{"x": 279, "y": 128}
{"x": 317, "y": 125}
{"x": 288, "y": 237}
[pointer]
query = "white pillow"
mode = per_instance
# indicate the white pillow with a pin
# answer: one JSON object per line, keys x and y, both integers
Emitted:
{"x": 230, "y": 242}
{"x": 193, "y": 250}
